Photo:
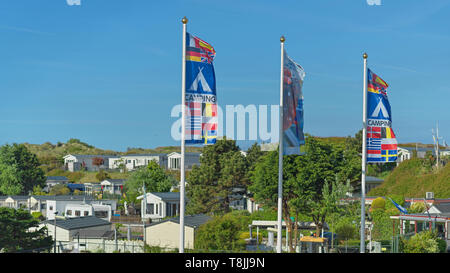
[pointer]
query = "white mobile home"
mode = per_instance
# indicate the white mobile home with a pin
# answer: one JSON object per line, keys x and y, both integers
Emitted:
{"x": 190, "y": 159}
{"x": 112, "y": 186}
{"x": 158, "y": 205}
{"x": 165, "y": 234}
{"x": 69, "y": 228}
{"x": 74, "y": 163}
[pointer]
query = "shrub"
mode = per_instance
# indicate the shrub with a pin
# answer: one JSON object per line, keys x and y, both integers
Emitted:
{"x": 423, "y": 242}
{"x": 378, "y": 203}
{"x": 442, "y": 245}
{"x": 222, "y": 233}
{"x": 37, "y": 215}
{"x": 417, "y": 208}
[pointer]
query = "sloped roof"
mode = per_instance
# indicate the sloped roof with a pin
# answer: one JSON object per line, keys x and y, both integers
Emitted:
{"x": 443, "y": 207}
{"x": 57, "y": 178}
{"x": 19, "y": 197}
{"x": 78, "y": 223}
{"x": 91, "y": 156}
{"x": 161, "y": 154}
{"x": 192, "y": 220}
{"x": 114, "y": 181}
{"x": 64, "y": 197}
{"x": 167, "y": 195}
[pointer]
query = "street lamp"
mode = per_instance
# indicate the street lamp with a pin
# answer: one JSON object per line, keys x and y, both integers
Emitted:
{"x": 54, "y": 233}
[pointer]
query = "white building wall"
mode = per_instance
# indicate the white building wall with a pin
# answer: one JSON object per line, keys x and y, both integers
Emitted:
{"x": 166, "y": 235}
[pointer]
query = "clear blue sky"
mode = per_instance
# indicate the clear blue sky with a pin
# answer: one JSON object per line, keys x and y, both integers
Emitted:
{"x": 108, "y": 72}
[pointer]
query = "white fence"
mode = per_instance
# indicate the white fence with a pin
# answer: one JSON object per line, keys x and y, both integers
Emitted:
{"x": 101, "y": 246}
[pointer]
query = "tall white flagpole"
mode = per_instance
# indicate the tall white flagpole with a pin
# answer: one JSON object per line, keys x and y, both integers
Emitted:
{"x": 280, "y": 153}
{"x": 183, "y": 135}
{"x": 364, "y": 160}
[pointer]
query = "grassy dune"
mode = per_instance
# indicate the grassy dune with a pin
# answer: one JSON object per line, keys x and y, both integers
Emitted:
{"x": 413, "y": 178}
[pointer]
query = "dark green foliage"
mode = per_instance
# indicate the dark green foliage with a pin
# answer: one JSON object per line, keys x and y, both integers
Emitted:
{"x": 312, "y": 183}
{"x": 153, "y": 176}
{"x": 102, "y": 175}
{"x": 413, "y": 178}
{"x": 378, "y": 203}
{"x": 423, "y": 242}
{"x": 222, "y": 233}
{"x": 346, "y": 231}
{"x": 19, "y": 170}
{"x": 222, "y": 169}
{"x": 59, "y": 189}
{"x": 14, "y": 231}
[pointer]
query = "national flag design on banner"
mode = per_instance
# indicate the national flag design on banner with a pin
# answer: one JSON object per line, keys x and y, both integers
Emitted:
{"x": 198, "y": 50}
{"x": 381, "y": 140}
{"x": 201, "y": 101}
{"x": 293, "y": 136}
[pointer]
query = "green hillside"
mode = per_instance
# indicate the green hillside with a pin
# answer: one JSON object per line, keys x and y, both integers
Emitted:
{"x": 413, "y": 178}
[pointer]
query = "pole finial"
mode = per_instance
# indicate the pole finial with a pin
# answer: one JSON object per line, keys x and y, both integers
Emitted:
{"x": 184, "y": 20}
{"x": 365, "y": 55}
{"x": 282, "y": 39}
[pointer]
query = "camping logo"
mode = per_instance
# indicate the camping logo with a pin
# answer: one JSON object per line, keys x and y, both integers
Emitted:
{"x": 200, "y": 79}
{"x": 382, "y": 108}
{"x": 73, "y": 2}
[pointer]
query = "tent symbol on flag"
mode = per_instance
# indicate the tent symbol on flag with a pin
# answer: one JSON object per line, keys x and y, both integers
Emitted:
{"x": 200, "y": 79}
{"x": 382, "y": 108}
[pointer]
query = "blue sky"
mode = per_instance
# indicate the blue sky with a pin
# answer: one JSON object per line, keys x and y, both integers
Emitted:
{"x": 109, "y": 72}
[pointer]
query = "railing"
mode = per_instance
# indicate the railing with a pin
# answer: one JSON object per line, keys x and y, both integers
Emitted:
{"x": 132, "y": 219}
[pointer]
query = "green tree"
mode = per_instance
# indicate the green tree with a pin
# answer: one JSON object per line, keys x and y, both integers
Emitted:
{"x": 417, "y": 208}
{"x": 346, "y": 231}
{"x": 102, "y": 175}
{"x": 222, "y": 173}
{"x": 37, "y": 190}
{"x": 59, "y": 189}
{"x": 423, "y": 242}
{"x": 15, "y": 234}
{"x": 305, "y": 187}
{"x": 382, "y": 225}
{"x": 254, "y": 155}
{"x": 222, "y": 233}
{"x": 19, "y": 170}
{"x": 153, "y": 176}
{"x": 378, "y": 203}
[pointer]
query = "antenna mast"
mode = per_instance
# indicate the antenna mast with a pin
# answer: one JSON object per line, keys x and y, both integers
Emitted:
{"x": 436, "y": 143}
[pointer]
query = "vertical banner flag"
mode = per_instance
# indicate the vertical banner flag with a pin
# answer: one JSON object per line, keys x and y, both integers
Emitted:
{"x": 293, "y": 135}
{"x": 381, "y": 141}
{"x": 201, "y": 101}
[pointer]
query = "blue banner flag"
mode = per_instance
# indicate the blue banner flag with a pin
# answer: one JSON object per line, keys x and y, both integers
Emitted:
{"x": 293, "y": 136}
{"x": 381, "y": 140}
{"x": 201, "y": 101}
{"x": 400, "y": 208}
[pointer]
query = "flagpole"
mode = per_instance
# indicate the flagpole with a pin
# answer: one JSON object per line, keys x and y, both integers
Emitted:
{"x": 364, "y": 159}
{"x": 280, "y": 152}
{"x": 183, "y": 135}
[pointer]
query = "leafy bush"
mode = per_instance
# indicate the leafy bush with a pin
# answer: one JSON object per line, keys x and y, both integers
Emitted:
{"x": 37, "y": 215}
{"x": 382, "y": 225}
{"x": 222, "y": 233}
{"x": 102, "y": 175}
{"x": 423, "y": 242}
{"x": 442, "y": 245}
{"x": 378, "y": 203}
{"x": 417, "y": 208}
